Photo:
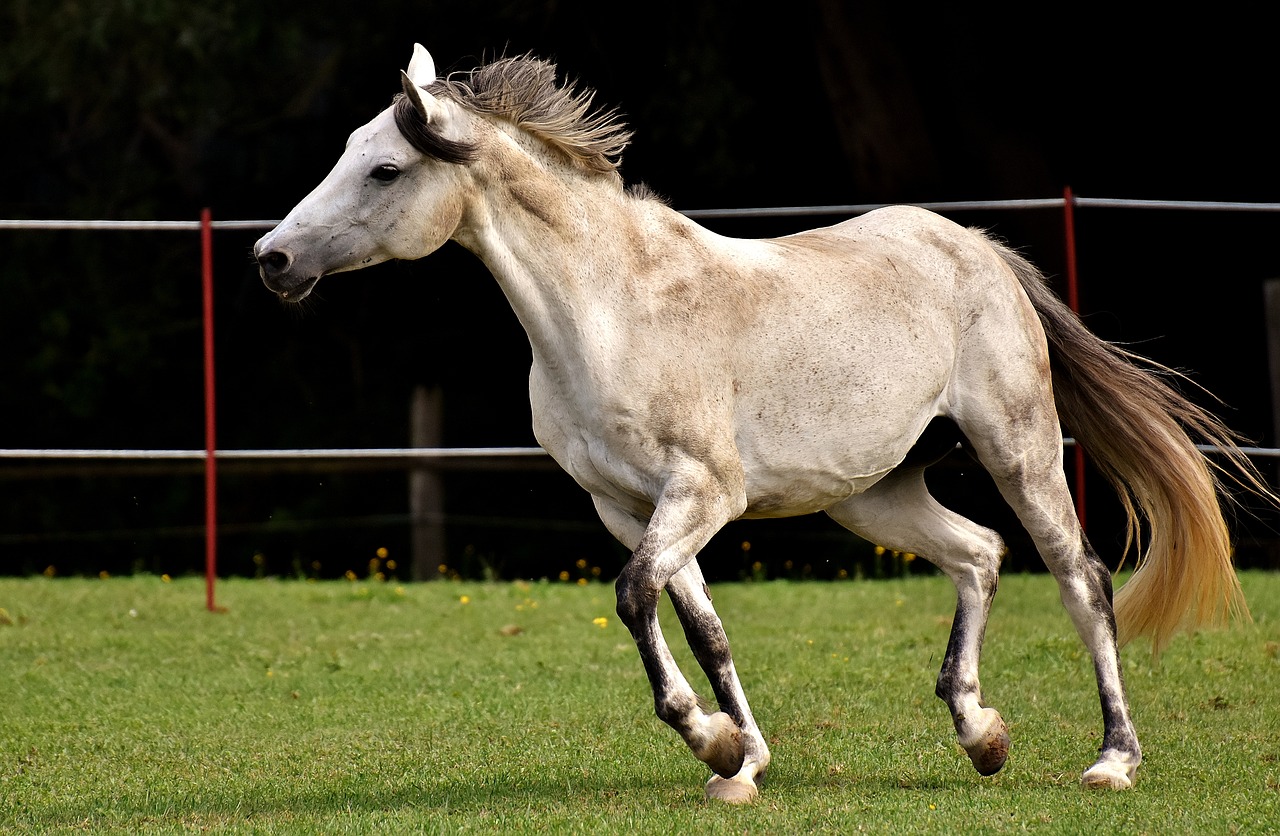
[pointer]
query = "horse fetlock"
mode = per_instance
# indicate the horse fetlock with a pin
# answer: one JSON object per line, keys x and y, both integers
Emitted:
{"x": 719, "y": 745}
{"x": 1113, "y": 771}
{"x": 988, "y": 746}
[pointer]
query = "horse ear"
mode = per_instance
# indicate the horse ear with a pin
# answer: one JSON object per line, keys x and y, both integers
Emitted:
{"x": 423, "y": 102}
{"x": 422, "y": 69}
{"x": 421, "y": 72}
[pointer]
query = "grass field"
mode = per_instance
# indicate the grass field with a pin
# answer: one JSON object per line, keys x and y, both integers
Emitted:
{"x": 367, "y": 707}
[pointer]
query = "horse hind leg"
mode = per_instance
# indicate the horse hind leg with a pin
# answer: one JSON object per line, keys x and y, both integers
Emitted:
{"x": 898, "y": 512}
{"x": 1087, "y": 594}
{"x": 1035, "y": 487}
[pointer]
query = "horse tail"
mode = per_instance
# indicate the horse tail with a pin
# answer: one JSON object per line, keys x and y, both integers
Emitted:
{"x": 1141, "y": 435}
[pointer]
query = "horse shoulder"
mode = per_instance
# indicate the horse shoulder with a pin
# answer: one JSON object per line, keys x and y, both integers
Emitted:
{"x": 690, "y": 276}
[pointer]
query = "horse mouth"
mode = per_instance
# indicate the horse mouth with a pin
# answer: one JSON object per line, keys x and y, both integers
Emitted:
{"x": 291, "y": 291}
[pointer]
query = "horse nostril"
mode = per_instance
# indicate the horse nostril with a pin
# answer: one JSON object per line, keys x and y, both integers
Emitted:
{"x": 275, "y": 262}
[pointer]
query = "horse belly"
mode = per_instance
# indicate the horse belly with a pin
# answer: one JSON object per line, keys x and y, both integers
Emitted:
{"x": 833, "y": 428}
{"x": 796, "y": 493}
{"x": 811, "y": 474}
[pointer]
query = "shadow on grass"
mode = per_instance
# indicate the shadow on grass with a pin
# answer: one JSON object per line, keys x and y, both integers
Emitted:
{"x": 469, "y": 793}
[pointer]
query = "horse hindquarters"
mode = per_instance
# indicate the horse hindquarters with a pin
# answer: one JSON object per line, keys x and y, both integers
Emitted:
{"x": 1000, "y": 396}
{"x": 1004, "y": 404}
{"x": 1138, "y": 432}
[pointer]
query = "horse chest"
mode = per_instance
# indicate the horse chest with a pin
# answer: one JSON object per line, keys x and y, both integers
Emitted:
{"x": 602, "y": 456}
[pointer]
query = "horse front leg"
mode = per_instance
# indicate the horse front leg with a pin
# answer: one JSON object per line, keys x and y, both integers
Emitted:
{"x": 682, "y": 523}
{"x": 705, "y": 633}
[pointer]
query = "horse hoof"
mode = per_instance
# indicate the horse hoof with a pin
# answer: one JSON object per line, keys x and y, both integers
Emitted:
{"x": 1109, "y": 776}
{"x": 989, "y": 752}
{"x": 723, "y": 751}
{"x": 736, "y": 790}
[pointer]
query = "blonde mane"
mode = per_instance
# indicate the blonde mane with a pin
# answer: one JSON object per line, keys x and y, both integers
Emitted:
{"x": 523, "y": 91}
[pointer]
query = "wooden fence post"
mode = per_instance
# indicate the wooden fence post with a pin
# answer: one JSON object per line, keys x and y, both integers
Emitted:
{"x": 426, "y": 488}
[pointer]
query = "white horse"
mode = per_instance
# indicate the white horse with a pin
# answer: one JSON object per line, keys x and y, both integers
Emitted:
{"x": 686, "y": 379}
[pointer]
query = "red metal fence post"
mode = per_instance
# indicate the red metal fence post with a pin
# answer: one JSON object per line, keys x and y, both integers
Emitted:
{"x": 210, "y": 437}
{"x": 1073, "y": 301}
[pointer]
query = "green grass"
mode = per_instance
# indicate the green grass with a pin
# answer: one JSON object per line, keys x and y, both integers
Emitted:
{"x": 354, "y": 707}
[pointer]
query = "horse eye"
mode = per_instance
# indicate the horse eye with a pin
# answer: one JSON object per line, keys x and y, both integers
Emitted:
{"x": 385, "y": 173}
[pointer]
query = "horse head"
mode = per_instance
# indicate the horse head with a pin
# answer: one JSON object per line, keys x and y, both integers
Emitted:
{"x": 393, "y": 194}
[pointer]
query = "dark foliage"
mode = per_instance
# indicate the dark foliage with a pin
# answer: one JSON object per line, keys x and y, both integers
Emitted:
{"x": 152, "y": 110}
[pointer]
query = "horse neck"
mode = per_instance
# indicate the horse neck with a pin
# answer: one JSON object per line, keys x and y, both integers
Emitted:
{"x": 558, "y": 240}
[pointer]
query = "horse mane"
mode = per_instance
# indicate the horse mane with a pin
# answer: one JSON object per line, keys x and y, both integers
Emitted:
{"x": 523, "y": 91}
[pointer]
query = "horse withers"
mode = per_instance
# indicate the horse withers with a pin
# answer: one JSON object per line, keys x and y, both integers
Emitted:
{"x": 686, "y": 379}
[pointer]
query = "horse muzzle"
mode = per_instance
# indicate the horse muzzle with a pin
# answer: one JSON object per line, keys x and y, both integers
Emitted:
{"x": 276, "y": 267}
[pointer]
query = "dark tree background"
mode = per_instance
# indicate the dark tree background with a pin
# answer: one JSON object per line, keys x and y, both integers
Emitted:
{"x": 129, "y": 109}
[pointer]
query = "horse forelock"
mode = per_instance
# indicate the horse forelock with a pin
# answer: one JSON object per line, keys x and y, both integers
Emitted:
{"x": 426, "y": 139}
{"x": 523, "y": 91}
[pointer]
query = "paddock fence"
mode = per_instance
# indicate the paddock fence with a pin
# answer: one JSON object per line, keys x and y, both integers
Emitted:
{"x": 211, "y": 456}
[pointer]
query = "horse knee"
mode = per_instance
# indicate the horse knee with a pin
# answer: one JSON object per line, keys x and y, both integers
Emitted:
{"x": 636, "y": 599}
